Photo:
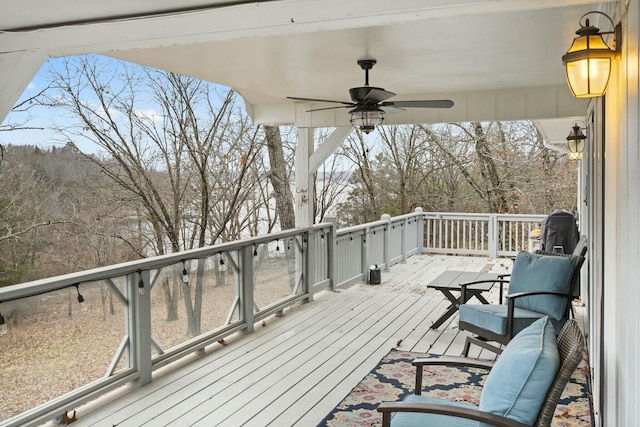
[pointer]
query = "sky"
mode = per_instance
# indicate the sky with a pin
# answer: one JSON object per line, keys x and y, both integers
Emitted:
{"x": 42, "y": 118}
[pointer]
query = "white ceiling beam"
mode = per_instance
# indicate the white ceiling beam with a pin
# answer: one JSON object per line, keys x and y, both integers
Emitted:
{"x": 249, "y": 20}
{"x": 16, "y": 72}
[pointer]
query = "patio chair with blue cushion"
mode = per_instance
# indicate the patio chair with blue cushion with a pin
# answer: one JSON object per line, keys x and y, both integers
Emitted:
{"x": 522, "y": 388}
{"x": 540, "y": 285}
{"x": 580, "y": 249}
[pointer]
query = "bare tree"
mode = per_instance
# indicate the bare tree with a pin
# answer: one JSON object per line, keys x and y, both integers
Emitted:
{"x": 362, "y": 204}
{"x": 180, "y": 152}
{"x": 464, "y": 167}
{"x": 21, "y": 113}
{"x": 27, "y": 207}
{"x": 279, "y": 177}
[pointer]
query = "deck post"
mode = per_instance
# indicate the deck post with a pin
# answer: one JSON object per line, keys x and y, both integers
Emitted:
{"x": 246, "y": 293}
{"x": 493, "y": 236}
{"x": 420, "y": 229}
{"x": 330, "y": 241}
{"x": 309, "y": 258}
{"x": 366, "y": 253}
{"x": 139, "y": 325}
{"x": 387, "y": 240}
{"x": 403, "y": 237}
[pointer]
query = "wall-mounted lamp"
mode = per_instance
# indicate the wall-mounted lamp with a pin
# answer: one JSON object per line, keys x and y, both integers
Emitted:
{"x": 588, "y": 60}
{"x": 575, "y": 141}
{"x": 366, "y": 117}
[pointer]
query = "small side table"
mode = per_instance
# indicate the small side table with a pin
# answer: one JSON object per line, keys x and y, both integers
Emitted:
{"x": 451, "y": 281}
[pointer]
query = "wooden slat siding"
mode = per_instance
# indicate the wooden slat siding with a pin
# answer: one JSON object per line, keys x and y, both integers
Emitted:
{"x": 297, "y": 368}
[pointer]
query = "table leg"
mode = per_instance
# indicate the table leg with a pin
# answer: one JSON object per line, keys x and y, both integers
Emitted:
{"x": 455, "y": 303}
{"x": 478, "y": 295}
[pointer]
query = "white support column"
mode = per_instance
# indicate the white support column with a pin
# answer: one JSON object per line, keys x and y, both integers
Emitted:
{"x": 303, "y": 193}
{"x": 307, "y": 163}
{"x": 16, "y": 72}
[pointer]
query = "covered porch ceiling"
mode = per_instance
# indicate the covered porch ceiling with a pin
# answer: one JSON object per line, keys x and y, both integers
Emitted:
{"x": 497, "y": 60}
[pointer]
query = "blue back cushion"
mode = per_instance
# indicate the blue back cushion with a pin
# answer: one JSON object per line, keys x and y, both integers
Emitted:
{"x": 517, "y": 385}
{"x": 535, "y": 272}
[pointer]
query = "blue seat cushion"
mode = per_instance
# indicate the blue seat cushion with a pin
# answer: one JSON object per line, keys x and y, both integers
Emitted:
{"x": 414, "y": 419}
{"x": 493, "y": 317}
{"x": 537, "y": 272}
{"x": 518, "y": 383}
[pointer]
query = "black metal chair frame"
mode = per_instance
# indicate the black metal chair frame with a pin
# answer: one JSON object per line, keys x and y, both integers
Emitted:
{"x": 484, "y": 336}
{"x": 571, "y": 347}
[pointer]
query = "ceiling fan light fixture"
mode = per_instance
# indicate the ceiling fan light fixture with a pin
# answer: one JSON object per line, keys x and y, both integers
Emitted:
{"x": 366, "y": 118}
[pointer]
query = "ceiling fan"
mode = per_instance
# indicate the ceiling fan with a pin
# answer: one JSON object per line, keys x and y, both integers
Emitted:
{"x": 369, "y": 104}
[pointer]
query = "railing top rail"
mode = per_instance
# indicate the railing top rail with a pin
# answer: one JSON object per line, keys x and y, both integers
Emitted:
{"x": 41, "y": 286}
{"x": 522, "y": 217}
{"x": 361, "y": 227}
{"x": 378, "y": 223}
{"x": 37, "y": 287}
{"x": 456, "y": 215}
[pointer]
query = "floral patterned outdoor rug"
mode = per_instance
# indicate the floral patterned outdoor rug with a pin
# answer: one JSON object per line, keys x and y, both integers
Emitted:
{"x": 393, "y": 378}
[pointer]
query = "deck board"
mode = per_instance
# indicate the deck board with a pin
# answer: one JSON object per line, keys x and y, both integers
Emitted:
{"x": 298, "y": 367}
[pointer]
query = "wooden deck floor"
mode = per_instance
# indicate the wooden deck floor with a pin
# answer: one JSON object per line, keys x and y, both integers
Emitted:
{"x": 295, "y": 369}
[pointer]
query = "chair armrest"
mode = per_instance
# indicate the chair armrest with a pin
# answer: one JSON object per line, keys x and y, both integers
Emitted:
{"x": 463, "y": 362}
{"x": 484, "y": 281}
{"x": 386, "y": 408}
{"x": 448, "y": 361}
{"x": 511, "y": 304}
{"x": 534, "y": 293}
{"x": 463, "y": 287}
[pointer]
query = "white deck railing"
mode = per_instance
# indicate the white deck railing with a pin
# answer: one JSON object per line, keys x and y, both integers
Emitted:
{"x": 230, "y": 287}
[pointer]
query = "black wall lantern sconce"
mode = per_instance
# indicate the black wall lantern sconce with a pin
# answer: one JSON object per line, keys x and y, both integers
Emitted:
{"x": 588, "y": 60}
{"x": 575, "y": 141}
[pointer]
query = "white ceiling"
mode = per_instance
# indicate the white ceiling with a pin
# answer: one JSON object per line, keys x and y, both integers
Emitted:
{"x": 495, "y": 59}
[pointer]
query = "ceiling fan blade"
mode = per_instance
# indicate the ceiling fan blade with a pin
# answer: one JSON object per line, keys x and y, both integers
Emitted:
{"x": 388, "y": 109}
{"x": 349, "y": 104}
{"x": 369, "y": 94}
{"x": 330, "y": 108}
{"x": 436, "y": 103}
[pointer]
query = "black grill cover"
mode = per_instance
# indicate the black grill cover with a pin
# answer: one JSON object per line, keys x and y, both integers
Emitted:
{"x": 560, "y": 229}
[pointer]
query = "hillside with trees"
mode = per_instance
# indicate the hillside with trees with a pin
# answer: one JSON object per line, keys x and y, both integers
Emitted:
{"x": 493, "y": 167}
